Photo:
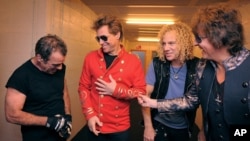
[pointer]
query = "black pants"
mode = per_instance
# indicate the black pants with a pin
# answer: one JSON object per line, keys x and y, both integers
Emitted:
{"x": 118, "y": 136}
{"x": 164, "y": 133}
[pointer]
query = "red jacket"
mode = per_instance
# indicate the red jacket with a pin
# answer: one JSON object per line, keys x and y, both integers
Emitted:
{"x": 113, "y": 111}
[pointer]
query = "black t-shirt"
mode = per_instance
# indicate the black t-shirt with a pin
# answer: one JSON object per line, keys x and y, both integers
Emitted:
{"x": 44, "y": 96}
{"x": 109, "y": 59}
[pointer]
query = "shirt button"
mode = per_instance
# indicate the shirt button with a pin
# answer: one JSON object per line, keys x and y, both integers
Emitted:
{"x": 100, "y": 114}
{"x": 245, "y": 84}
{"x": 246, "y": 115}
{"x": 244, "y": 100}
{"x": 199, "y": 88}
{"x": 116, "y": 116}
{"x": 219, "y": 125}
{"x": 221, "y": 137}
{"x": 217, "y": 111}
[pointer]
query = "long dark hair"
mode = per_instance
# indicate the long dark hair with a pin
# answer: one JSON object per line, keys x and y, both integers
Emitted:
{"x": 222, "y": 26}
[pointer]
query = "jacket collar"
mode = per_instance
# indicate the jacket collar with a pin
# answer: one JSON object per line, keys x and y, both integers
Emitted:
{"x": 100, "y": 53}
{"x": 234, "y": 61}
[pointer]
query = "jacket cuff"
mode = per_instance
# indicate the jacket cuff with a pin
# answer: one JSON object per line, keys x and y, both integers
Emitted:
{"x": 89, "y": 113}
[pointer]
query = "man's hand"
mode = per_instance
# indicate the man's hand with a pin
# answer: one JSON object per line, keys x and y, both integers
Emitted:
{"x": 60, "y": 124}
{"x": 201, "y": 135}
{"x": 65, "y": 132}
{"x": 56, "y": 122}
{"x": 149, "y": 134}
{"x": 93, "y": 124}
{"x": 104, "y": 87}
{"x": 145, "y": 101}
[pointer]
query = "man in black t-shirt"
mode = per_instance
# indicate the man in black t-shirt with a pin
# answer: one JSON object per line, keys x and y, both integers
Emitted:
{"x": 37, "y": 97}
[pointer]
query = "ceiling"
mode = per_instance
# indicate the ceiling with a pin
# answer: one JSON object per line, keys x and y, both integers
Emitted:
{"x": 177, "y": 10}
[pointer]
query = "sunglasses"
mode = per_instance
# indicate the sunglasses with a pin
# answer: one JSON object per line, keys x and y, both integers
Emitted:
{"x": 103, "y": 37}
{"x": 199, "y": 39}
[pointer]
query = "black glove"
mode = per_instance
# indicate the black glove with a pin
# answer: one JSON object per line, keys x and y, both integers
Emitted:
{"x": 65, "y": 131}
{"x": 56, "y": 123}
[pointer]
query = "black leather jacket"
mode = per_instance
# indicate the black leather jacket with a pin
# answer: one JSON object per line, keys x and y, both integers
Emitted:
{"x": 236, "y": 91}
{"x": 162, "y": 73}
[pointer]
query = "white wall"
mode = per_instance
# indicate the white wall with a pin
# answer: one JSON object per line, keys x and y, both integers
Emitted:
{"x": 22, "y": 23}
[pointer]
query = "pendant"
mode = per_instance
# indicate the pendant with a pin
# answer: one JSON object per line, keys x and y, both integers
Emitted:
{"x": 218, "y": 100}
{"x": 176, "y": 76}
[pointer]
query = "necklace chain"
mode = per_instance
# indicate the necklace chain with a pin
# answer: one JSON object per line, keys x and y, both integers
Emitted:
{"x": 218, "y": 93}
{"x": 176, "y": 76}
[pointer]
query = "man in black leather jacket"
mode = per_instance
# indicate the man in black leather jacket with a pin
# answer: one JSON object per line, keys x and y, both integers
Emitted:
{"x": 169, "y": 76}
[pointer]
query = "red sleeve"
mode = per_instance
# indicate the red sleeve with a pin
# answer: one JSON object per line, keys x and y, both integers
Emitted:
{"x": 138, "y": 82}
{"x": 84, "y": 91}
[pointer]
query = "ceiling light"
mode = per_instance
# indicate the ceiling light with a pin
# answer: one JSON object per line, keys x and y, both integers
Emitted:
{"x": 148, "y": 39}
{"x": 149, "y": 21}
{"x": 148, "y": 31}
{"x": 150, "y": 6}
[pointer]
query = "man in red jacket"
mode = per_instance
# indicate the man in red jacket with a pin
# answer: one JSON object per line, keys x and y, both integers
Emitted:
{"x": 110, "y": 78}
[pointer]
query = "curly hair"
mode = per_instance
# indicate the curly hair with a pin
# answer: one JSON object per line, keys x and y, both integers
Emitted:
{"x": 112, "y": 22}
{"x": 222, "y": 26}
{"x": 184, "y": 40}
